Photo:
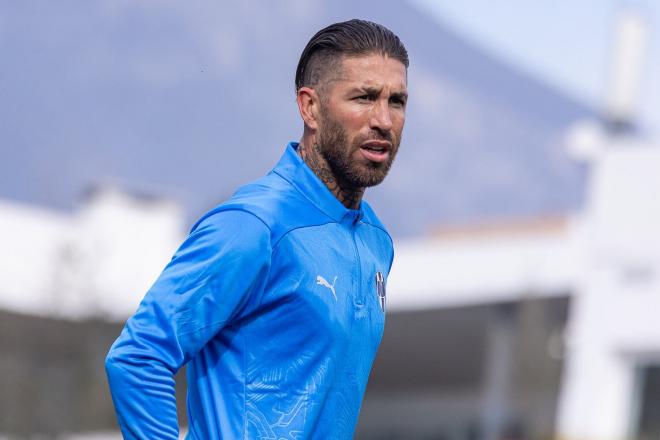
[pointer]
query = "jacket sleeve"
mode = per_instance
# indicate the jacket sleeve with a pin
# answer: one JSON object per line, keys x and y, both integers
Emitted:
{"x": 217, "y": 274}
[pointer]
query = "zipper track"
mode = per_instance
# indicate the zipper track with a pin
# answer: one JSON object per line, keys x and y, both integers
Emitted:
{"x": 359, "y": 264}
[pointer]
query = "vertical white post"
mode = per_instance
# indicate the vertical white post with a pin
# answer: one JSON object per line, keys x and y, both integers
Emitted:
{"x": 625, "y": 68}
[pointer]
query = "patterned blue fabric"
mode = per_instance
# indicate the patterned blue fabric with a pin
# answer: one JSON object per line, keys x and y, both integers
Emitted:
{"x": 273, "y": 301}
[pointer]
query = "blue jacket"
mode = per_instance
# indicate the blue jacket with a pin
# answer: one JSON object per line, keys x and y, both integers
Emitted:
{"x": 276, "y": 302}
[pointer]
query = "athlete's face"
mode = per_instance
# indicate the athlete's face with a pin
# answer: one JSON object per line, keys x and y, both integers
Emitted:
{"x": 361, "y": 118}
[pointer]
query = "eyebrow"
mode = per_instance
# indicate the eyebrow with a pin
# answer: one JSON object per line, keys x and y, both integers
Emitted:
{"x": 375, "y": 91}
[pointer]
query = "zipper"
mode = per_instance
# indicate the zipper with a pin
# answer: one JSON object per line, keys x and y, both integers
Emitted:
{"x": 359, "y": 264}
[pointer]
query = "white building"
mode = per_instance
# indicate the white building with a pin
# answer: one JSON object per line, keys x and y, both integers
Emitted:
{"x": 97, "y": 261}
{"x": 606, "y": 258}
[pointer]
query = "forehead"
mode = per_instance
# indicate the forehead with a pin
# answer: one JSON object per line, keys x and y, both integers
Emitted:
{"x": 372, "y": 70}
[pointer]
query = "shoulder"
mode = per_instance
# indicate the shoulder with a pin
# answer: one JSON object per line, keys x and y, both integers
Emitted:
{"x": 380, "y": 235}
{"x": 272, "y": 201}
{"x": 370, "y": 218}
{"x": 219, "y": 233}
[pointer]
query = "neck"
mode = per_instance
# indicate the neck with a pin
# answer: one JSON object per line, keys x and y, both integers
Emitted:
{"x": 348, "y": 195}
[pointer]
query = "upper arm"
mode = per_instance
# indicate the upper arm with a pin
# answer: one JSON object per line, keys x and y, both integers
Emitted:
{"x": 216, "y": 274}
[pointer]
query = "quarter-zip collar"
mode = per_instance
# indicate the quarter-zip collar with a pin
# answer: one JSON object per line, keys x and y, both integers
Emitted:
{"x": 294, "y": 170}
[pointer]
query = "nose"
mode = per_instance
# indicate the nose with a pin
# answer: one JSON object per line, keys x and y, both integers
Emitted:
{"x": 380, "y": 116}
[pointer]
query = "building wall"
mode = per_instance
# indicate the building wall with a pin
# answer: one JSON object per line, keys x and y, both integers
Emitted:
{"x": 614, "y": 324}
{"x": 477, "y": 372}
{"x": 53, "y": 376}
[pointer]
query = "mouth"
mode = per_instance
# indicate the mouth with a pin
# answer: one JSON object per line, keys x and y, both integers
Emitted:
{"x": 376, "y": 151}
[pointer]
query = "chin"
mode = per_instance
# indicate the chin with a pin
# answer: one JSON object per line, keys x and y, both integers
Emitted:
{"x": 369, "y": 178}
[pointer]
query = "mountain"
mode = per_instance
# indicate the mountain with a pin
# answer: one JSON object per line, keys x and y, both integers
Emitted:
{"x": 196, "y": 98}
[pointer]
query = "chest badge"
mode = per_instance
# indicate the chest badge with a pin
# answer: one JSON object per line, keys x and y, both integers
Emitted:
{"x": 380, "y": 290}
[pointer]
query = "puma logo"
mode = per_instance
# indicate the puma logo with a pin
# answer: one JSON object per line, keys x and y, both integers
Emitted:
{"x": 323, "y": 282}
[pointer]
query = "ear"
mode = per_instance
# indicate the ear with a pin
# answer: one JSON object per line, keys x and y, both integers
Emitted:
{"x": 309, "y": 107}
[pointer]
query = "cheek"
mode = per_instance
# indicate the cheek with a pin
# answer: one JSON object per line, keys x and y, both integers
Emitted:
{"x": 398, "y": 118}
{"x": 357, "y": 119}
{"x": 355, "y": 125}
{"x": 398, "y": 122}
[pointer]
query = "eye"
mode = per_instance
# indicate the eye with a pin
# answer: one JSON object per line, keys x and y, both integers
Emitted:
{"x": 367, "y": 97}
{"x": 399, "y": 102}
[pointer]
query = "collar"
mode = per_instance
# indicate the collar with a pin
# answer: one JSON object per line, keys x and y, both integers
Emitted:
{"x": 294, "y": 170}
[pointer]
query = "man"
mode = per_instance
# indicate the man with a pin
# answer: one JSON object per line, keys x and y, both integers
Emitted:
{"x": 277, "y": 298}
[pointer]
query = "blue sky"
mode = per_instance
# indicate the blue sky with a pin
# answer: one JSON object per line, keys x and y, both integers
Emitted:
{"x": 565, "y": 43}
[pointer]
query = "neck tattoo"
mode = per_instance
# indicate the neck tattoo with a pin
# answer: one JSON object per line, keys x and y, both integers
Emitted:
{"x": 348, "y": 195}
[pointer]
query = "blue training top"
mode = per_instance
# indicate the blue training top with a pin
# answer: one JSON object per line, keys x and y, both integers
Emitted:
{"x": 276, "y": 301}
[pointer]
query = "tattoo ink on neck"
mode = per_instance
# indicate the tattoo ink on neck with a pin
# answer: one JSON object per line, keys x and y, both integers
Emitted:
{"x": 348, "y": 195}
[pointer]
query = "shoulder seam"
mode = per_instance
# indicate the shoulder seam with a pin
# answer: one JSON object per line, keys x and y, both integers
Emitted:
{"x": 379, "y": 227}
{"x": 274, "y": 247}
{"x": 234, "y": 208}
{"x": 388, "y": 236}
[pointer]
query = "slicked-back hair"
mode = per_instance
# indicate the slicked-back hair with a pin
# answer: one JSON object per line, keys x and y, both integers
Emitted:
{"x": 326, "y": 48}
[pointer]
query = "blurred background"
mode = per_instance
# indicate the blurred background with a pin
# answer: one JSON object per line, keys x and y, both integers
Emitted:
{"x": 524, "y": 203}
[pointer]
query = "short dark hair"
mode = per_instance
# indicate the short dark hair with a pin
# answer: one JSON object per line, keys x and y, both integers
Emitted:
{"x": 352, "y": 38}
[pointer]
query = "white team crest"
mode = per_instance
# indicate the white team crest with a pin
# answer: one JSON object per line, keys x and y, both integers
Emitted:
{"x": 380, "y": 290}
{"x": 323, "y": 282}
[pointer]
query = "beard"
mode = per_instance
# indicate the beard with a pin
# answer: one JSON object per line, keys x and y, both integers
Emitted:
{"x": 333, "y": 145}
